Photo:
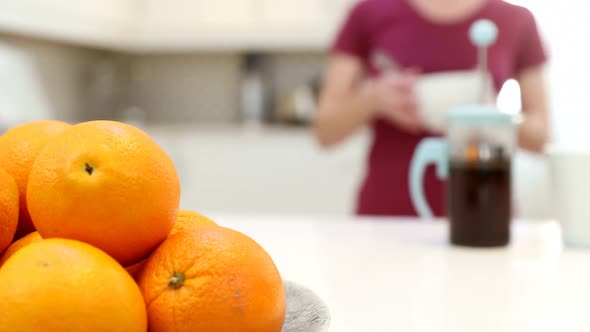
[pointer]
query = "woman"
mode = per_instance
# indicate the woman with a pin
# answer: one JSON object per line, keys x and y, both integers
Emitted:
{"x": 423, "y": 36}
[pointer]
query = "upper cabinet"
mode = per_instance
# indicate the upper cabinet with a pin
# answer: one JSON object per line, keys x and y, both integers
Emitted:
{"x": 104, "y": 23}
{"x": 191, "y": 24}
{"x": 179, "y": 25}
{"x": 186, "y": 14}
{"x": 240, "y": 24}
{"x": 291, "y": 12}
{"x": 319, "y": 13}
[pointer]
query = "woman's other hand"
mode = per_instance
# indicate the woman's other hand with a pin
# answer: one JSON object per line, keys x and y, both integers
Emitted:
{"x": 395, "y": 100}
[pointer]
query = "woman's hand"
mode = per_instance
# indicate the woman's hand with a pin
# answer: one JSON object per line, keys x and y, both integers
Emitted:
{"x": 349, "y": 100}
{"x": 394, "y": 99}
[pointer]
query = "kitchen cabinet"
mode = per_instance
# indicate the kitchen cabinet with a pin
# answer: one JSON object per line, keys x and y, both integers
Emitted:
{"x": 105, "y": 23}
{"x": 178, "y": 25}
{"x": 191, "y": 14}
{"x": 192, "y": 24}
{"x": 240, "y": 24}
{"x": 290, "y": 12}
{"x": 318, "y": 13}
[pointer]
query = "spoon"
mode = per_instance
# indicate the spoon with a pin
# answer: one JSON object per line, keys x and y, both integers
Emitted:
{"x": 383, "y": 61}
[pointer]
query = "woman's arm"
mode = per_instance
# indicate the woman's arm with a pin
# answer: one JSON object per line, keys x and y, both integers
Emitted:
{"x": 533, "y": 133}
{"x": 349, "y": 101}
{"x": 345, "y": 103}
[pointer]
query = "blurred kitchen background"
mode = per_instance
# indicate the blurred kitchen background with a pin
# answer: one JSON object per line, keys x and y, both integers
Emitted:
{"x": 228, "y": 87}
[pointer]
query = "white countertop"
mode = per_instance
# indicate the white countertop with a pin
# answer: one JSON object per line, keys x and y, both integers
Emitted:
{"x": 401, "y": 275}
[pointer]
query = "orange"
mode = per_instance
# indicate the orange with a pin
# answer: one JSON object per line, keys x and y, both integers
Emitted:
{"x": 8, "y": 209}
{"x": 188, "y": 220}
{"x": 65, "y": 285}
{"x": 18, "y": 244}
{"x": 135, "y": 269}
{"x": 212, "y": 279}
{"x": 19, "y": 147}
{"x": 108, "y": 184}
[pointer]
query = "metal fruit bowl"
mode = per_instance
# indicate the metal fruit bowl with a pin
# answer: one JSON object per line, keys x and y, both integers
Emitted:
{"x": 306, "y": 312}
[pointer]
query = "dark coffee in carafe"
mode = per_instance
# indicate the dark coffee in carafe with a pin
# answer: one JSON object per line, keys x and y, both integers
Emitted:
{"x": 479, "y": 202}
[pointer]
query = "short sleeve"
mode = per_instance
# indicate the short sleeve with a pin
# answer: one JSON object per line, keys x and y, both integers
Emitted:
{"x": 530, "y": 51}
{"x": 352, "y": 38}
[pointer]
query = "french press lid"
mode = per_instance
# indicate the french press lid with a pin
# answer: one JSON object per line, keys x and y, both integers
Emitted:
{"x": 479, "y": 116}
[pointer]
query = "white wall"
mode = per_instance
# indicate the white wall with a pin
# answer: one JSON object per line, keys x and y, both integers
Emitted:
{"x": 566, "y": 30}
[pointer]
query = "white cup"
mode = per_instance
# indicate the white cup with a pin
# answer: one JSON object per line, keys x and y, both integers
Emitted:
{"x": 570, "y": 176}
{"x": 439, "y": 92}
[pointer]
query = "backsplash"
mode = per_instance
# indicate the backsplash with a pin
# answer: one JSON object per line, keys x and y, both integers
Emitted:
{"x": 82, "y": 84}
{"x": 290, "y": 70}
{"x": 64, "y": 73}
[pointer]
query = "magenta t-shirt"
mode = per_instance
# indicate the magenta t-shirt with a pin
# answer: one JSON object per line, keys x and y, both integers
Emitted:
{"x": 413, "y": 41}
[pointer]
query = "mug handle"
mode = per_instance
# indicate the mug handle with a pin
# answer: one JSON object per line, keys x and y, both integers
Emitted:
{"x": 429, "y": 151}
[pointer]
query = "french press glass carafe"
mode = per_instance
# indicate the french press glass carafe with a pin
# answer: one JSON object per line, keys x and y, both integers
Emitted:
{"x": 475, "y": 158}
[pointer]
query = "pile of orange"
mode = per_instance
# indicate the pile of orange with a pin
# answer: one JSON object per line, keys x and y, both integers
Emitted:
{"x": 92, "y": 239}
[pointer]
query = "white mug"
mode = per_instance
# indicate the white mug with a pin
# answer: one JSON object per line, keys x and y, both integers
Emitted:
{"x": 570, "y": 176}
{"x": 437, "y": 93}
